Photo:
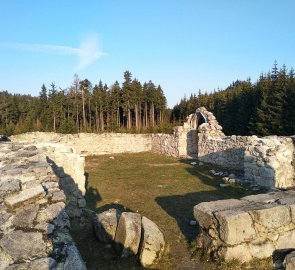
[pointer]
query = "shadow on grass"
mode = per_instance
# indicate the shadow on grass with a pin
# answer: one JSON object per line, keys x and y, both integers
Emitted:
{"x": 180, "y": 207}
{"x": 97, "y": 254}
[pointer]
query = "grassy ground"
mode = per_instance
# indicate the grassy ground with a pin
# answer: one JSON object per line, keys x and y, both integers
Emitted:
{"x": 165, "y": 190}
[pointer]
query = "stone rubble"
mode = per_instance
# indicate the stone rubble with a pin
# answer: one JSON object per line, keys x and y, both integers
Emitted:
{"x": 32, "y": 213}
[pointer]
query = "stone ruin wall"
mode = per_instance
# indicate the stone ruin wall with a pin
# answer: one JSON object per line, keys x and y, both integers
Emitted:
{"x": 181, "y": 143}
{"x": 91, "y": 143}
{"x": 253, "y": 227}
{"x": 35, "y": 210}
{"x": 266, "y": 161}
{"x": 269, "y": 162}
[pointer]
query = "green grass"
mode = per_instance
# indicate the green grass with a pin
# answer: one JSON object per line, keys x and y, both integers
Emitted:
{"x": 165, "y": 190}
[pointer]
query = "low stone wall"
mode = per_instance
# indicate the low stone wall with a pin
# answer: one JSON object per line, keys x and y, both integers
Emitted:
{"x": 34, "y": 226}
{"x": 252, "y": 227}
{"x": 182, "y": 143}
{"x": 92, "y": 143}
{"x": 268, "y": 162}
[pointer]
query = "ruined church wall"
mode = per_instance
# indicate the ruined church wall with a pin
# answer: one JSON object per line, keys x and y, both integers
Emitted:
{"x": 165, "y": 144}
{"x": 91, "y": 143}
{"x": 269, "y": 161}
{"x": 227, "y": 152}
{"x": 252, "y": 227}
{"x": 182, "y": 143}
{"x": 34, "y": 223}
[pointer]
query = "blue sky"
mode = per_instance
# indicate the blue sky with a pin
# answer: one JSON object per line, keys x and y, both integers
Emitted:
{"x": 182, "y": 45}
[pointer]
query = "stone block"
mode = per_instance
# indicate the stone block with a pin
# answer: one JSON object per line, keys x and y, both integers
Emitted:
{"x": 24, "y": 218}
{"x": 58, "y": 196}
{"x": 128, "y": 234}
{"x": 264, "y": 198}
{"x": 261, "y": 250}
{"x": 239, "y": 252}
{"x": 9, "y": 186}
{"x": 25, "y": 196}
{"x": 203, "y": 212}
{"x": 22, "y": 245}
{"x": 153, "y": 243}
{"x": 235, "y": 226}
{"x": 272, "y": 216}
{"x": 50, "y": 212}
{"x": 286, "y": 240}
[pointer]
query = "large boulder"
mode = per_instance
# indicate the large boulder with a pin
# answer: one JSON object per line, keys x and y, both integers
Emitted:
{"x": 153, "y": 243}
{"x": 105, "y": 225}
{"x": 128, "y": 234}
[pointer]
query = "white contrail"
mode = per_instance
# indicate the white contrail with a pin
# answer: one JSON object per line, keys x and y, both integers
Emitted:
{"x": 88, "y": 52}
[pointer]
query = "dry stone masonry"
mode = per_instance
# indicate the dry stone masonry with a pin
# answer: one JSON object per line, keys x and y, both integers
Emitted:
{"x": 252, "y": 227}
{"x": 34, "y": 225}
{"x": 91, "y": 143}
{"x": 268, "y": 162}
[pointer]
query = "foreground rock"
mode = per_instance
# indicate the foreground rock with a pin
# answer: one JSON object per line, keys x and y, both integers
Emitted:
{"x": 34, "y": 226}
{"x": 105, "y": 225}
{"x": 252, "y": 227}
{"x": 128, "y": 234}
{"x": 153, "y": 243}
{"x": 132, "y": 234}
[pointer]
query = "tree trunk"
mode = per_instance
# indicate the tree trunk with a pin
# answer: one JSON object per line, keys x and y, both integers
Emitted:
{"x": 96, "y": 119}
{"x": 152, "y": 114}
{"x": 101, "y": 119}
{"x": 146, "y": 114}
{"x": 139, "y": 115}
{"x": 136, "y": 116}
{"x": 118, "y": 117}
{"x": 129, "y": 116}
{"x": 77, "y": 118}
{"x": 54, "y": 123}
{"x": 89, "y": 114}
{"x": 83, "y": 108}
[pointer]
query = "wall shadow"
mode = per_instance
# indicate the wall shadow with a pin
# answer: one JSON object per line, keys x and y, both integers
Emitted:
{"x": 191, "y": 146}
{"x": 180, "y": 207}
{"x": 65, "y": 250}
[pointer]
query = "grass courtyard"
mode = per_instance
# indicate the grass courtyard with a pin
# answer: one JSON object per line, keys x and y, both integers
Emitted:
{"x": 165, "y": 190}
